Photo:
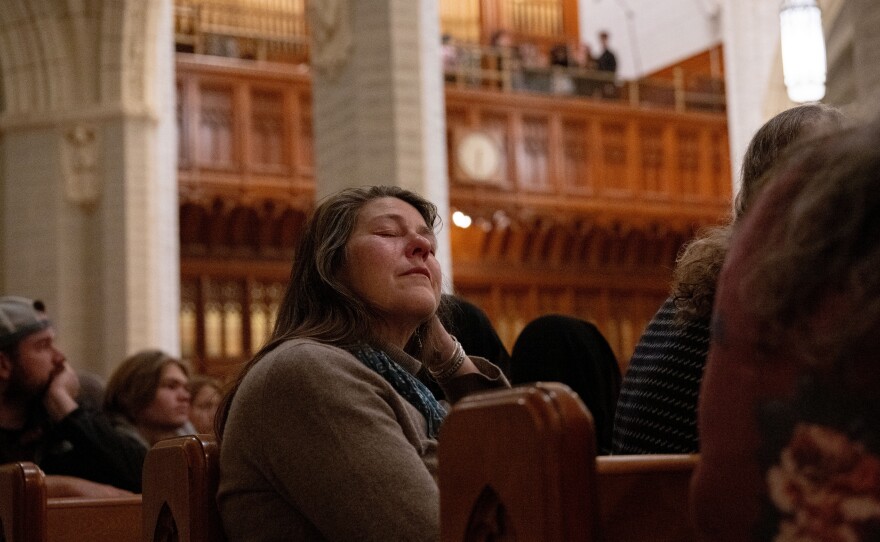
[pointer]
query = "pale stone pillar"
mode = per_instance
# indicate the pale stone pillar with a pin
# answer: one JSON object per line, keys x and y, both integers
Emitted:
{"x": 88, "y": 177}
{"x": 750, "y": 30}
{"x": 378, "y": 100}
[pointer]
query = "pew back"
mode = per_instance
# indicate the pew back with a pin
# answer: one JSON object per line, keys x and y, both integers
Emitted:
{"x": 29, "y": 516}
{"x": 79, "y": 519}
{"x": 518, "y": 464}
{"x": 645, "y": 497}
{"x": 22, "y": 502}
{"x": 180, "y": 488}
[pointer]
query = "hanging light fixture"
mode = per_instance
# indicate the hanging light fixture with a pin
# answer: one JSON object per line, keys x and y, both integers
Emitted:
{"x": 803, "y": 50}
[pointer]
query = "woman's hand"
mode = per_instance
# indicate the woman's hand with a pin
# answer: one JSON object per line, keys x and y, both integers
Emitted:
{"x": 443, "y": 355}
{"x": 439, "y": 344}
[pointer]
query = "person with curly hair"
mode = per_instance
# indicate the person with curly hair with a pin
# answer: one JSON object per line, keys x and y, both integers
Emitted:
{"x": 657, "y": 408}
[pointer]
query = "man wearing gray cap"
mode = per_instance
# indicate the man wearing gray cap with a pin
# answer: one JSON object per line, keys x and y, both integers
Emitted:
{"x": 40, "y": 419}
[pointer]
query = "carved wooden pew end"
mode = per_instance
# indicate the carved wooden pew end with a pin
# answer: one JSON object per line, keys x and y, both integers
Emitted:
{"x": 520, "y": 464}
{"x": 510, "y": 458}
{"x": 180, "y": 488}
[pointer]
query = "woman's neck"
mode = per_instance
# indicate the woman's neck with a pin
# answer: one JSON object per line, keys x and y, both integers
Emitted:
{"x": 395, "y": 336}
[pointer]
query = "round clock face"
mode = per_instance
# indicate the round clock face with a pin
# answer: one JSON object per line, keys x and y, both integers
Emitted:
{"x": 478, "y": 156}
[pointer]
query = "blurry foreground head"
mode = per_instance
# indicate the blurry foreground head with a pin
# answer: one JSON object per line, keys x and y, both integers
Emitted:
{"x": 789, "y": 418}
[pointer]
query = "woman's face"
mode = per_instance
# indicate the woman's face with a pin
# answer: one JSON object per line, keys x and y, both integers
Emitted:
{"x": 390, "y": 264}
{"x": 204, "y": 407}
{"x": 169, "y": 408}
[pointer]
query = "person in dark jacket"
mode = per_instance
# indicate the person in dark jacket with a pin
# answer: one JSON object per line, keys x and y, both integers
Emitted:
{"x": 557, "y": 348}
{"x": 41, "y": 420}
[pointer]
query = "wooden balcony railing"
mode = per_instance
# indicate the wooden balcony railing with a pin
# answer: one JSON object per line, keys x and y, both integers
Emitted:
{"x": 277, "y": 30}
{"x": 514, "y": 70}
{"x": 258, "y": 29}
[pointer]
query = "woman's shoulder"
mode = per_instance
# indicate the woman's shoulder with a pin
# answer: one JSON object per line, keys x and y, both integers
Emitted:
{"x": 307, "y": 363}
{"x": 301, "y": 372}
{"x": 303, "y": 354}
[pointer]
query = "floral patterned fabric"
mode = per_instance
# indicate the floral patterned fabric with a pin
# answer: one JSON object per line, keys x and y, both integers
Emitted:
{"x": 823, "y": 472}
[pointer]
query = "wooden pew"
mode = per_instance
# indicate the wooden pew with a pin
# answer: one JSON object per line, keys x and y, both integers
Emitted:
{"x": 22, "y": 502}
{"x": 29, "y": 516}
{"x": 514, "y": 464}
{"x": 520, "y": 464}
{"x": 645, "y": 497}
{"x": 180, "y": 488}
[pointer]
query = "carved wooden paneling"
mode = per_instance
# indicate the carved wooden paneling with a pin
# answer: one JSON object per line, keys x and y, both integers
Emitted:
{"x": 718, "y": 186}
{"x": 513, "y": 314}
{"x": 687, "y": 169}
{"x": 268, "y": 151}
{"x": 264, "y": 299}
{"x": 594, "y": 202}
{"x": 191, "y": 330}
{"x": 265, "y": 229}
{"x": 653, "y": 158}
{"x": 534, "y": 153}
{"x": 578, "y": 158}
{"x": 615, "y": 156}
{"x": 251, "y": 128}
{"x": 620, "y": 314}
{"x": 215, "y": 137}
{"x": 225, "y": 319}
{"x": 613, "y": 274}
{"x": 304, "y": 142}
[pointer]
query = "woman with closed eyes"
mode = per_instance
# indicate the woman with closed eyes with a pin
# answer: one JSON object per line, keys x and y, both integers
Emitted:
{"x": 330, "y": 433}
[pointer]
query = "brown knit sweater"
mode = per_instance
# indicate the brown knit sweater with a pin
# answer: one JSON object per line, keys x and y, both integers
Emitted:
{"x": 319, "y": 447}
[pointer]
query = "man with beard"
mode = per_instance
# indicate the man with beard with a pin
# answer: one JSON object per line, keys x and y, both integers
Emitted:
{"x": 41, "y": 420}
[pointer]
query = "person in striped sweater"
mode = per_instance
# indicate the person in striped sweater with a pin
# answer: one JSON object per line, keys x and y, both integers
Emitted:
{"x": 657, "y": 407}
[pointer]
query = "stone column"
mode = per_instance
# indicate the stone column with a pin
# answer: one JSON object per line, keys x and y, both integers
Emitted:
{"x": 378, "y": 100}
{"x": 751, "y": 43}
{"x": 88, "y": 178}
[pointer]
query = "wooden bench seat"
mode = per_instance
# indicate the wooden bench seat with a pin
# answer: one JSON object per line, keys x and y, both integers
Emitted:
{"x": 29, "y": 516}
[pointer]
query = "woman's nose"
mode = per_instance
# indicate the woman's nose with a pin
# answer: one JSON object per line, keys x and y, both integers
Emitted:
{"x": 419, "y": 246}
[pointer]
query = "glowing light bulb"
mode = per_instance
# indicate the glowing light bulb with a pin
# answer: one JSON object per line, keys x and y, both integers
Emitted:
{"x": 461, "y": 220}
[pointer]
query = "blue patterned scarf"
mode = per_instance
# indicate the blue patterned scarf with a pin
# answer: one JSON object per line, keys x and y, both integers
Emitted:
{"x": 404, "y": 383}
